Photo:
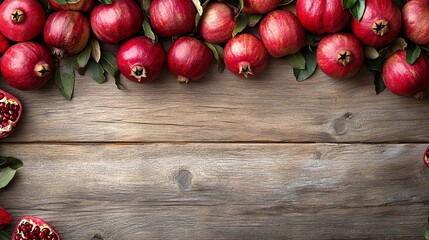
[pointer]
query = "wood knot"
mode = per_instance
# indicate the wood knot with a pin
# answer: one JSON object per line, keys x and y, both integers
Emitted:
{"x": 183, "y": 179}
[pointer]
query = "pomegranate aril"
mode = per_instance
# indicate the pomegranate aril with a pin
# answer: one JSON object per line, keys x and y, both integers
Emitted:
{"x": 2, "y": 95}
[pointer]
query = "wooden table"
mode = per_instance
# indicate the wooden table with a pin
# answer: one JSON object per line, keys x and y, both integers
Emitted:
{"x": 224, "y": 158}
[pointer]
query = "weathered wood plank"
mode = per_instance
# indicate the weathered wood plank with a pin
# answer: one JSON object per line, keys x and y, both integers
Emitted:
{"x": 224, "y": 108}
{"x": 223, "y": 191}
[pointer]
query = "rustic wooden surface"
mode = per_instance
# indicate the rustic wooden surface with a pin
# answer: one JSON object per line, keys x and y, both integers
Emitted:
{"x": 224, "y": 158}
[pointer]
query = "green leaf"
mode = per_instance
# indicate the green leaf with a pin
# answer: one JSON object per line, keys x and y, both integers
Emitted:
{"x": 4, "y": 235}
{"x": 427, "y": 234}
{"x": 374, "y": 64}
{"x": 65, "y": 78}
{"x": 311, "y": 39}
{"x": 413, "y": 52}
{"x": 218, "y": 55}
{"x": 106, "y": 1}
{"x": 198, "y": 17}
{"x": 241, "y": 4}
{"x": 145, "y": 5}
{"x": 108, "y": 61}
{"x": 398, "y": 44}
{"x": 310, "y": 66}
{"x": 118, "y": 83}
{"x": 61, "y": 2}
{"x": 254, "y": 19}
{"x": 83, "y": 57}
{"x": 348, "y": 3}
{"x": 148, "y": 32}
{"x": 11, "y": 162}
{"x": 96, "y": 71}
{"x": 371, "y": 53}
{"x": 379, "y": 82}
{"x": 358, "y": 9}
{"x": 198, "y": 6}
{"x": 400, "y": 3}
{"x": 296, "y": 60}
{"x": 240, "y": 24}
{"x": 6, "y": 175}
{"x": 95, "y": 50}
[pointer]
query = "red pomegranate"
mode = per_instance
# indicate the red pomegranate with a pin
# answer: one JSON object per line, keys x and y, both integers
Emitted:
{"x": 21, "y": 20}
{"x": 245, "y": 55}
{"x": 380, "y": 23}
{"x": 140, "y": 60}
{"x": 164, "y": 17}
{"x": 217, "y": 23}
{"x": 426, "y": 157}
{"x": 340, "y": 55}
{"x": 259, "y": 6}
{"x": 189, "y": 59}
{"x": 10, "y": 113}
{"x": 321, "y": 16}
{"x": 415, "y": 15}
{"x": 4, "y": 44}
{"x": 29, "y": 227}
{"x": 27, "y": 66}
{"x": 112, "y": 23}
{"x": 73, "y": 5}
{"x": 66, "y": 32}
{"x": 405, "y": 80}
{"x": 281, "y": 33}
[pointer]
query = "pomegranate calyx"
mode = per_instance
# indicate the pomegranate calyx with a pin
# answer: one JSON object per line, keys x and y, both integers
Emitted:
{"x": 42, "y": 70}
{"x": 344, "y": 57}
{"x": 245, "y": 69}
{"x": 182, "y": 79}
{"x": 420, "y": 95}
{"x": 380, "y": 27}
{"x": 138, "y": 72}
{"x": 17, "y": 16}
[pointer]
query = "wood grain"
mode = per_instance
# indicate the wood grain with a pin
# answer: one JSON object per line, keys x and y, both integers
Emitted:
{"x": 223, "y": 108}
{"x": 223, "y": 191}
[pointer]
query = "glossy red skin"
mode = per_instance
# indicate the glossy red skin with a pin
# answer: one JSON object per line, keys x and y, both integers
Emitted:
{"x": 322, "y": 16}
{"x": 426, "y": 157}
{"x": 38, "y": 221}
{"x": 82, "y": 6}
{"x": 30, "y": 27}
{"x": 164, "y": 17}
{"x": 327, "y": 55}
{"x": 4, "y": 44}
{"x": 141, "y": 51}
{"x": 217, "y": 23}
{"x": 402, "y": 79}
{"x": 245, "y": 48}
{"x": 281, "y": 33}
{"x": 19, "y": 62}
{"x": 415, "y": 21}
{"x": 4, "y": 220}
{"x": 189, "y": 58}
{"x": 67, "y": 31}
{"x": 112, "y": 23}
{"x": 259, "y": 6}
{"x": 378, "y": 10}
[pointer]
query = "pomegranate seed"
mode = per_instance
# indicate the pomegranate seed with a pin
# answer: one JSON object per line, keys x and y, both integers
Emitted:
{"x": 7, "y": 106}
{"x": 2, "y": 95}
{"x": 18, "y": 237}
{"x": 2, "y": 104}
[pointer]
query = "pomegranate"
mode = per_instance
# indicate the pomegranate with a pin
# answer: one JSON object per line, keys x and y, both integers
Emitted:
{"x": 380, "y": 23}
{"x": 259, "y": 6}
{"x": 29, "y": 227}
{"x": 27, "y": 66}
{"x": 321, "y": 16}
{"x": 217, "y": 23}
{"x": 66, "y": 32}
{"x": 21, "y": 20}
{"x": 426, "y": 157}
{"x": 405, "y": 80}
{"x": 112, "y": 23}
{"x": 141, "y": 60}
{"x": 164, "y": 17}
{"x": 5, "y": 218}
{"x": 245, "y": 55}
{"x": 73, "y": 5}
{"x": 415, "y": 16}
{"x": 4, "y": 44}
{"x": 340, "y": 55}
{"x": 10, "y": 112}
{"x": 281, "y": 33}
{"x": 189, "y": 59}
